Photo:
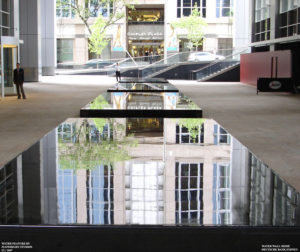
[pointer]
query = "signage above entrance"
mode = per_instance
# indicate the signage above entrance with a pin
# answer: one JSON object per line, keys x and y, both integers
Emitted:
{"x": 145, "y": 32}
{"x": 145, "y": 35}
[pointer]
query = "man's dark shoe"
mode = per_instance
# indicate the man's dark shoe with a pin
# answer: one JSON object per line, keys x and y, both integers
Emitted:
{"x": 24, "y": 97}
{"x": 19, "y": 97}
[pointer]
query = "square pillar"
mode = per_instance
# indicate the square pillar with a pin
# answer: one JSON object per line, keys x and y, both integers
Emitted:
{"x": 30, "y": 33}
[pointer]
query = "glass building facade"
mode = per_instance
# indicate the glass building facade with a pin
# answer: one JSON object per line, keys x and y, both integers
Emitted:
{"x": 9, "y": 46}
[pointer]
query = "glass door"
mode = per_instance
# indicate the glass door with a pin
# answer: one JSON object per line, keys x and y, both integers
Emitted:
{"x": 10, "y": 57}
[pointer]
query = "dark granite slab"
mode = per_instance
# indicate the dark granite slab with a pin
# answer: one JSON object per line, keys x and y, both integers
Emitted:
{"x": 126, "y": 104}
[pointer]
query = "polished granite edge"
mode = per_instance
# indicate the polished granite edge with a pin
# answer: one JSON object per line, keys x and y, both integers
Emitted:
{"x": 155, "y": 227}
{"x": 121, "y": 113}
{"x": 134, "y": 239}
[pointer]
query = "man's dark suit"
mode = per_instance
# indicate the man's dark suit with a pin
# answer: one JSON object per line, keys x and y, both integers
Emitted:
{"x": 18, "y": 80}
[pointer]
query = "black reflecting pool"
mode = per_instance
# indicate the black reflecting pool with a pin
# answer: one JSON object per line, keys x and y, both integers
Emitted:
{"x": 143, "y": 171}
{"x": 142, "y": 104}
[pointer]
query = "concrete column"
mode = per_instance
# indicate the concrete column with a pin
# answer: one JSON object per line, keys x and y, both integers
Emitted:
{"x": 241, "y": 24}
{"x": 30, "y": 33}
{"x": 48, "y": 37}
{"x": 16, "y": 24}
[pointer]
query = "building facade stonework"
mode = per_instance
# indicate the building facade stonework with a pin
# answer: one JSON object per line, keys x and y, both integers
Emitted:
{"x": 147, "y": 28}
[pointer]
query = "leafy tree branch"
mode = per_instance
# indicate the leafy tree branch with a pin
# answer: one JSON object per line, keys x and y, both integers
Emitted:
{"x": 194, "y": 26}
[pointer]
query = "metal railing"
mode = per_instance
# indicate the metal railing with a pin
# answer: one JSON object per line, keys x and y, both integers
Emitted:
{"x": 219, "y": 65}
{"x": 171, "y": 60}
{"x": 151, "y": 64}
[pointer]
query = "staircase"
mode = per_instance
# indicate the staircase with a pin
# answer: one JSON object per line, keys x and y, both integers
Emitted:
{"x": 218, "y": 67}
{"x": 218, "y": 70}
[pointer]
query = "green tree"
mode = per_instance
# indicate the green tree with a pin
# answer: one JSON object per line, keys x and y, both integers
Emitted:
{"x": 194, "y": 26}
{"x": 85, "y": 9}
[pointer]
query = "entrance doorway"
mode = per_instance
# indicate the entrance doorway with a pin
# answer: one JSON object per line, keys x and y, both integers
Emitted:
{"x": 140, "y": 48}
{"x": 8, "y": 62}
{"x": 145, "y": 31}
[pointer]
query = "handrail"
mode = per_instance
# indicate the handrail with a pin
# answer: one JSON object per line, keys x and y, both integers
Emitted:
{"x": 165, "y": 59}
{"x": 157, "y": 62}
{"x": 217, "y": 61}
{"x": 142, "y": 62}
{"x": 218, "y": 65}
{"x": 131, "y": 58}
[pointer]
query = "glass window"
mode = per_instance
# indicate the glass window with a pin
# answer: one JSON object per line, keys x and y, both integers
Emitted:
{"x": 5, "y": 18}
{"x": 101, "y": 190}
{"x": 262, "y": 10}
{"x": 283, "y": 6}
{"x": 289, "y": 18}
{"x": 184, "y": 7}
{"x": 224, "y": 8}
{"x": 221, "y": 136}
{"x": 187, "y": 11}
{"x": 285, "y": 203}
{"x": 222, "y": 194}
{"x": 194, "y": 136}
{"x": 146, "y": 15}
{"x": 64, "y": 9}
{"x": 188, "y": 193}
{"x": 144, "y": 195}
{"x": 187, "y": 3}
{"x": 64, "y": 50}
{"x": 97, "y": 8}
{"x": 5, "y": 5}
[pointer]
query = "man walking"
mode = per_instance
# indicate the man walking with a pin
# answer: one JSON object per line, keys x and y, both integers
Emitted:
{"x": 18, "y": 80}
{"x": 118, "y": 72}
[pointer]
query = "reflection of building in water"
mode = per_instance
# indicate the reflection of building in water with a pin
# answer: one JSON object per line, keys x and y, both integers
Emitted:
{"x": 180, "y": 172}
{"x": 177, "y": 173}
{"x": 144, "y": 184}
{"x": 84, "y": 196}
{"x": 270, "y": 192}
{"x": 162, "y": 183}
{"x": 146, "y": 101}
{"x": 190, "y": 161}
{"x": 8, "y": 192}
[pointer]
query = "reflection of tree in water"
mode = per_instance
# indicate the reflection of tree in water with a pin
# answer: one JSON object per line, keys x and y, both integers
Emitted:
{"x": 99, "y": 103}
{"x": 193, "y": 126}
{"x": 85, "y": 153}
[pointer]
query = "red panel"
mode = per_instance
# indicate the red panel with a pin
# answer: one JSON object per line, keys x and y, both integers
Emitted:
{"x": 256, "y": 65}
